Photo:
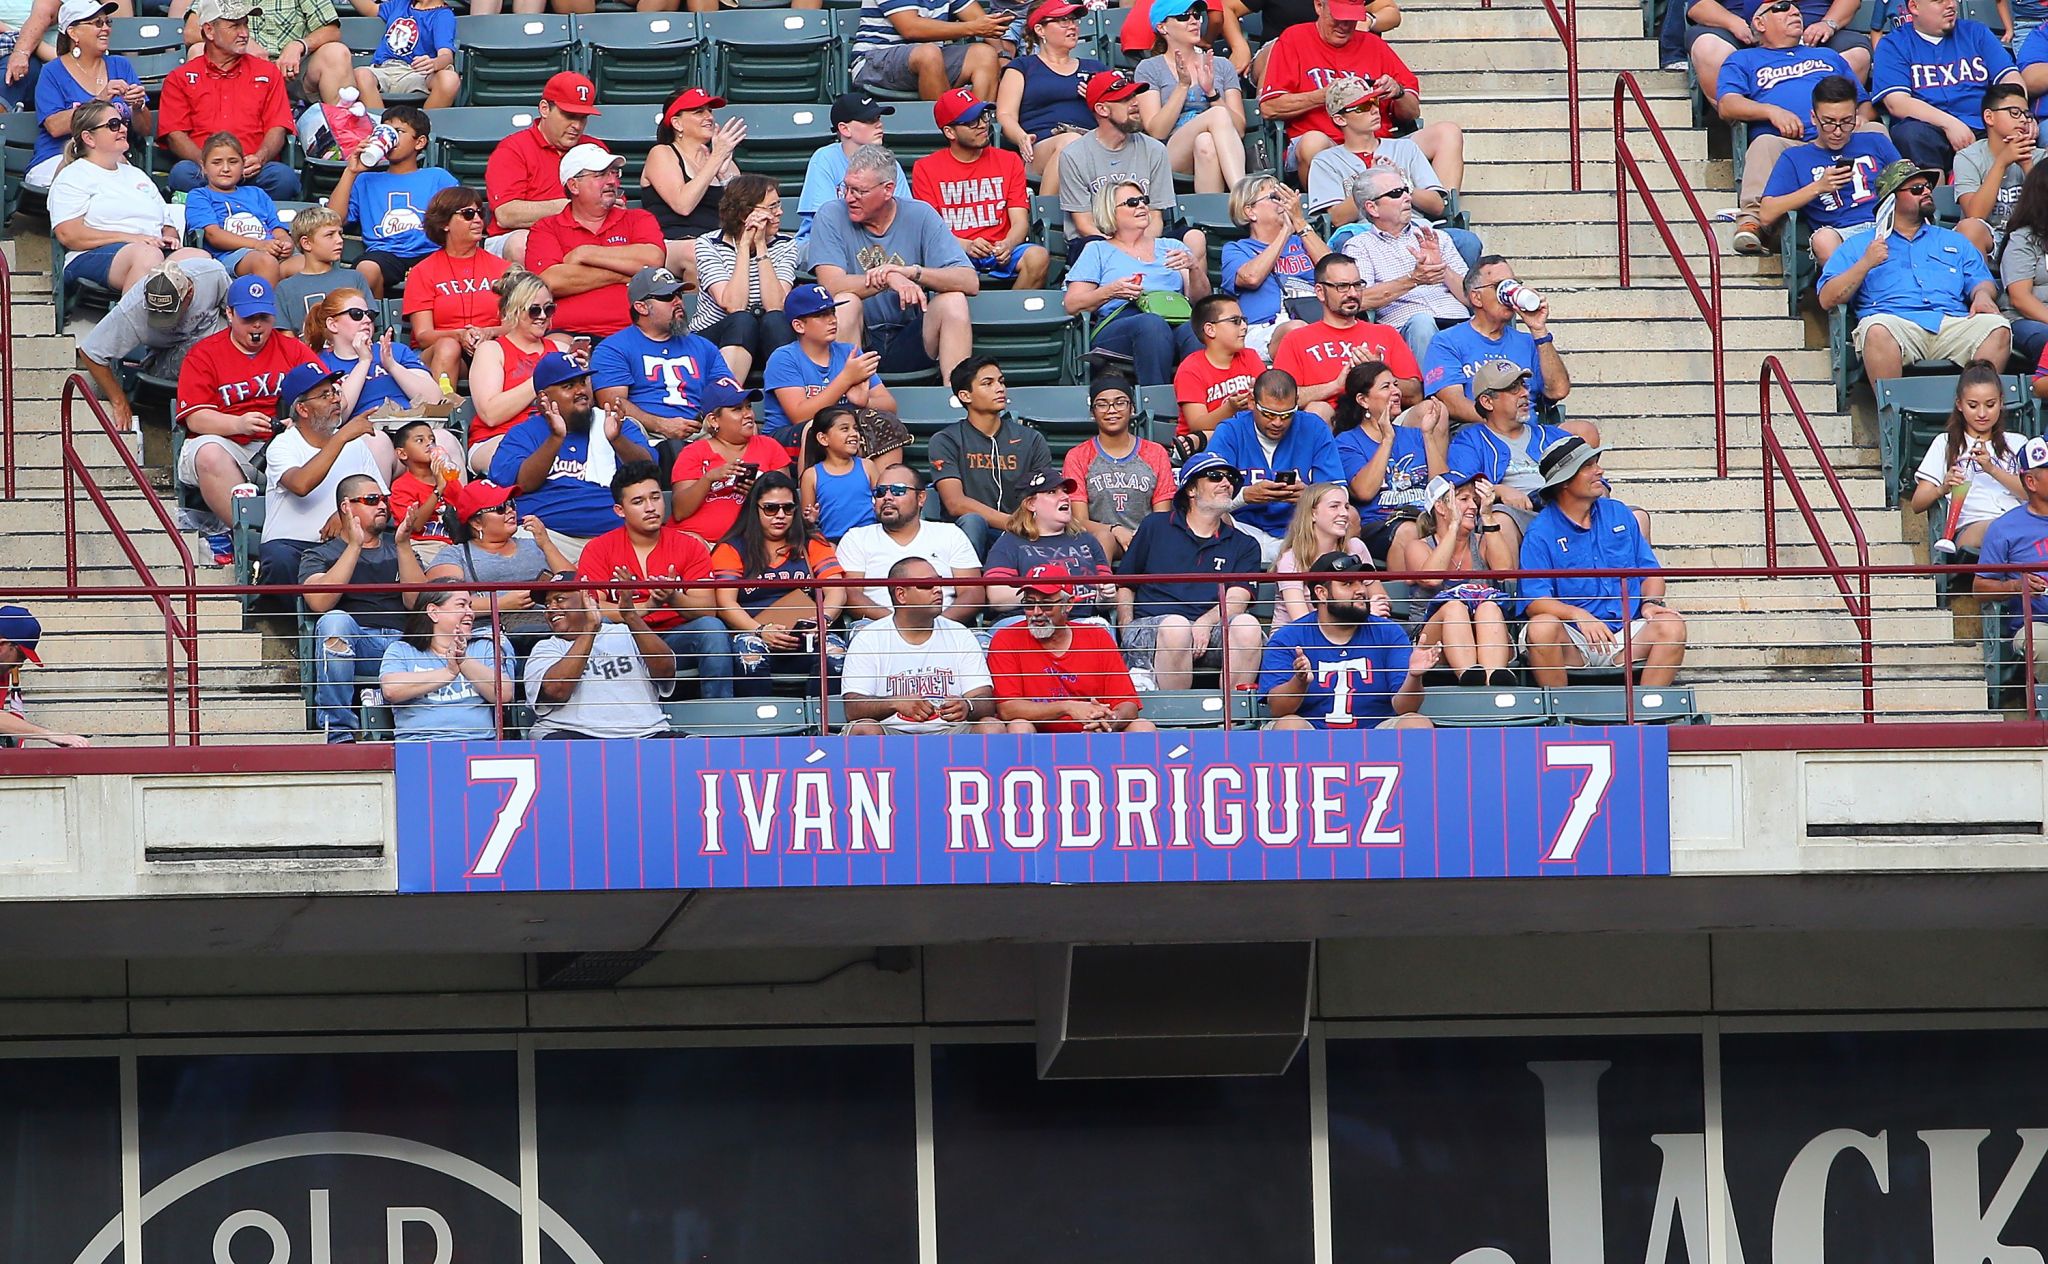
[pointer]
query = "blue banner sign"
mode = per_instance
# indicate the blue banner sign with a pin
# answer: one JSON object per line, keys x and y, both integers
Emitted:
{"x": 1203, "y": 806}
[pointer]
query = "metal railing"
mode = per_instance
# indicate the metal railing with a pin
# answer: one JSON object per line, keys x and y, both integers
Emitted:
{"x": 1565, "y": 21}
{"x": 7, "y": 377}
{"x": 1626, "y": 172}
{"x": 1777, "y": 465}
{"x": 180, "y": 633}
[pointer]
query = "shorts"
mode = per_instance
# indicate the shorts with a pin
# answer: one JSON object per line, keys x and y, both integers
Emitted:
{"x": 1258, "y": 339}
{"x": 1292, "y": 162}
{"x": 1141, "y": 643}
{"x": 92, "y": 265}
{"x": 1591, "y": 659}
{"x": 1956, "y": 341}
{"x": 889, "y": 68}
{"x": 395, "y": 267}
{"x": 1845, "y": 41}
{"x": 497, "y": 242}
{"x": 232, "y": 260}
{"x": 397, "y": 78}
{"x": 245, "y": 456}
{"x": 1001, "y": 267}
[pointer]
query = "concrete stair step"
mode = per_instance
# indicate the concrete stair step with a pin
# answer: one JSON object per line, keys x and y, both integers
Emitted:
{"x": 1553, "y": 175}
{"x": 1453, "y": 27}
{"x": 1673, "y": 111}
{"x": 1599, "y": 59}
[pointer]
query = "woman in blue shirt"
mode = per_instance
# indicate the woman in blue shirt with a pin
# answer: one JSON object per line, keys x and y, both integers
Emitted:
{"x": 81, "y": 72}
{"x": 1139, "y": 286}
{"x": 443, "y": 684}
{"x": 1277, "y": 262}
{"x": 1039, "y": 98}
{"x": 1388, "y": 455}
{"x": 342, "y": 328}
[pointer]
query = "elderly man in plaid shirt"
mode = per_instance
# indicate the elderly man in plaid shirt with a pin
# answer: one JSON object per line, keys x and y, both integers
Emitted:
{"x": 1414, "y": 276}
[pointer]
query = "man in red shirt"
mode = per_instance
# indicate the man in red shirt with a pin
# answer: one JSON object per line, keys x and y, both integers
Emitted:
{"x": 1215, "y": 382}
{"x": 523, "y": 181}
{"x": 227, "y": 395}
{"x": 647, "y": 545}
{"x": 981, "y": 192}
{"x": 588, "y": 251}
{"x": 1318, "y": 355}
{"x": 1306, "y": 59}
{"x": 227, "y": 89}
{"x": 1059, "y": 676}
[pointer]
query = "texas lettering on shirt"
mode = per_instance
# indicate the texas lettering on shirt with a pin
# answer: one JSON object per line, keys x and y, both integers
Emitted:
{"x": 1949, "y": 74}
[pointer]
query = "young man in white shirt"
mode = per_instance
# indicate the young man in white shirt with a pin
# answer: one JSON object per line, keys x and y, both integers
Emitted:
{"x": 306, "y": 462}
{"x": 595, "y": 679}
{"x": 918, "y": 671}
{"x": 899, "y": 532}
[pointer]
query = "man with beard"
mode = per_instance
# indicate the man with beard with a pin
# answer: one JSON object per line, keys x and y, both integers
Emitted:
{"x": 355, "y": 628}
{"x": 900, "y": 530}
{"x": 918, "y": 671}
{"x": 1280, "y": 451}
{"x": 562, "y": 461}
{"x": 1318, "y": 355}
{"x": 227, "y": 397}
{"x": 1921, "y": 291}
{"x": 981, "y": 192}
{"x": 1345, "y": 668}
{"x": 1056, "y": 675}
{"x": 1118, "y": 149}
{"x": 306, "y": 463}
{"x": 588, "y": 250}
{"x": 649, "y": 371}
{"x": 1170, "y": 629}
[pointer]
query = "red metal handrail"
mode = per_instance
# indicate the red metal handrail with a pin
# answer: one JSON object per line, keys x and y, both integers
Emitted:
{"x": 1565, "y": 21}
{"x": 6, "y": 377}
{"x": 1708, "y": 299}
{"x": 1777, "y": 465}
{"x": 178, "y": 633}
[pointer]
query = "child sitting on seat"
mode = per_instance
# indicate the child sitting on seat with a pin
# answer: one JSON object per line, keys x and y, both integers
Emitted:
{"x": 238, "y": 223}
{"x": 423, "y": 477}
{"x": 317, "y": 232}
{"x": 417, "y": 55}
{"x": 838, "y": 482}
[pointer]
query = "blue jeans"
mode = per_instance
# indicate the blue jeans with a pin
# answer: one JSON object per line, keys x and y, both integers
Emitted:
{"x": 1468, "y": 244}
{"x": 1923, "y": 143}
{"x": 1418, "y": 331}
{"x": 1155, "y": 347}
{"x": 276, "y": 179}
{"x": 704, "y": 644}
{"x": 2029, "y": 338}
{"x": 357, "y": 654}
{"x": 980, "y": 534}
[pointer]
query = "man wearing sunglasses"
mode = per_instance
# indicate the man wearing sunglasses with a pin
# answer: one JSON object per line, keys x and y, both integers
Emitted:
{"x": 1920, "y": 291}
{"x": 981, "y": 192}
{"x": 306, "y": 463}
{"x": 900, "y": 531}
{"x": 1989, "y": 172}
{"x": 1280, "y": 451}
{"x": 1770, "y": 88}
{"x": 1172, "y": 628}
{"x": 355, "y": 628}
{"x": 1414, "y": 276}
{"x": 1118, "y": 148}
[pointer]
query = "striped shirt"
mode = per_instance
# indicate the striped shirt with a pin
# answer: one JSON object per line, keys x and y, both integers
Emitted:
{"x": 715, "y": 257}
{"x": 1382, "y": 258}
{"x": 878, "y": 32}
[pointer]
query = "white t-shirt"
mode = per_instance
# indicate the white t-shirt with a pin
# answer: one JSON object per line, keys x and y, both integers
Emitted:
{"x": 615, "y": 698}
{"x": 119, "y": 201}
{"x": 881, "y": 664}
{"x": 869, "y": 552}
{"x": 1984, "y": 499}
{"x": 289, "y": 517}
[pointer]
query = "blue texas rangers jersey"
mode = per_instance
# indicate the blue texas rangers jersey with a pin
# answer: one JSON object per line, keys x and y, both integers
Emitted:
{"x": 1349, "y": 685}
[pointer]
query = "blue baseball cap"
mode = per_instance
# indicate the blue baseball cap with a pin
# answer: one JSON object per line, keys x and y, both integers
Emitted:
{"x": 713, "y": 394}
{"x": 299, "y": 381}
{"x": 251, "y": 296}
{"x": 807, "y": 300}
{"x": 1203, "y": 462}
{"x": 555, "y": 368}
{"x": 19, "y": 627}
{"x": 1164, "y": 9}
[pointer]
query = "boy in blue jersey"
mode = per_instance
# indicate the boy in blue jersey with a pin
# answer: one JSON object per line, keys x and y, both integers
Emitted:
{"x": 1345, "y": 668}
{"x": 1577, "y": 623}
{"x": 389, "y": 205}
{"x": 1833, "y": 180}
{"x": 650, "y": 371}
{"x": 1281, "y": 451}
{"x": 416, "y": 56}
{"x": 1930, "y": 77}
{"x": 805, "y": 377}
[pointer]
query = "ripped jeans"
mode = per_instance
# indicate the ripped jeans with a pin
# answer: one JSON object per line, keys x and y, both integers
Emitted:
{"x": 349, "y": 652}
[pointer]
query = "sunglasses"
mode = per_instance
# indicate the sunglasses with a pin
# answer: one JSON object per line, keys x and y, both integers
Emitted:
{"x": 1274, "y": 412}
{"x": 779, "y": 508}
{"x": 374, "y": 498}
{"x": 1919, "y": 188}
{"x": 1230, "y": 320}
{"x": 355, "y": 313}
{"x": 1397, "y": 191}
{"x": 510, "y": 509}
{"x": 1215, "y": 476}
{"x": 115, "y": 124}
{"x": 893, "y": 489}
{"x": 1131, "y": 201}
{"x": 540, "y": 311}
{"x": 471, "y": 212}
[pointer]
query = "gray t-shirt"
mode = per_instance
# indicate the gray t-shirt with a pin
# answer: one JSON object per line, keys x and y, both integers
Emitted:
{"x": 991, "y": 469}
{"x": 480, "y": 565}
{"x": 1973, "y": 167}
{"x": 1331, "y": 174}
{"x": 1156, "y": 73}
{"x": 1085, "y": 164}
{"x": 615, "y": 697}
{"x": 2024, "y": 260}
{"x": 916, "y": 236}
{"x": 296, "y": 295}
{"x": 126, "y": 328}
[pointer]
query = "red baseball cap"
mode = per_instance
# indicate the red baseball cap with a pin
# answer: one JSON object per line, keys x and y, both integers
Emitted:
{"x": 693, "y": 99}
{"x": 571, "y": 92}
{"x": 1051, "y": 579}
{"x": 1050, "y": 11}
{"x": 1346, "y": 11}
{"x": 470, "y": 499}
{"x": 958, "y": 106}
{"x": 1111, "y": 85}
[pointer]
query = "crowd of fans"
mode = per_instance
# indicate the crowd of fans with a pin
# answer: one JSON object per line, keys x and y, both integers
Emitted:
{"x": 571, "y": 389}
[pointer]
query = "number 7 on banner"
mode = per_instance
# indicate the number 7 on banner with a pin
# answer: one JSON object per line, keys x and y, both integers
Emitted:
{"x": 1597, "y": 758}
{"x": 523, "y": 771}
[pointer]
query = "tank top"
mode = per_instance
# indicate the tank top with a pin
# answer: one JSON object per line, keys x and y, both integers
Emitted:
{"x": 1051, "y": 98}
{"x": 845, "y": 501}
{"x": 676, "y": 227}
{"x": 518, "y": 368}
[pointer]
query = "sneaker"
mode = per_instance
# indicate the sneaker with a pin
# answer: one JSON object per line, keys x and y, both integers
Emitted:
{"x": 1143, "y": 680}
{"x": 1749, "y": 236}
{"x": 223, "y": 546}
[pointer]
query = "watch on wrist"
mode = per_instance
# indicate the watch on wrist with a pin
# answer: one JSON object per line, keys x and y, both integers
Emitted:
{"x": 1547, "y": 337}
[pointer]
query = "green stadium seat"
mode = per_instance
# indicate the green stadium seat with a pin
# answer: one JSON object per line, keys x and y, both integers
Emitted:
{"x": 1459, "y": 708}
{"x": 769, "y": 55}
{"x": 846, "y": 23}
{"x": 781, "y": 140}
{"x": 1912, "y": 412}
{"x": 1030, "y": 333}
{"x": 1608, "y": 704}
{"x": 1795, "y": 255}
{"x": 1049, "y": 225}
{"x": 507, "y": 58}
{"x": 151, "y": 69}
{"x": 925, "y": 410}
{"x": 17, "y": 146}
{"x": 74, "y": 293}
{"x": 247, "y": 531}
{"x": 628, "y": 131}
{"x": 1197, "y": 708}
{"x": 1210, "y": 212}
{"x": 465, "y": 136}
{"x": 742, "y": 717}
{"x": 362, "y": 36}
{"x": 130, "y": 36}
{"x": 1060, "y": 413}
{"x": 641, "y": 58}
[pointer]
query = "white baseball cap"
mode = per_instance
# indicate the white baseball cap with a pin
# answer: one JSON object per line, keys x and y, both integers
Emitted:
{"x": 586, "y": 160}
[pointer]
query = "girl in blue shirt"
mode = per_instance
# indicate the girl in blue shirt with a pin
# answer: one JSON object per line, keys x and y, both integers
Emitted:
{"x": 838, "y": 482}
